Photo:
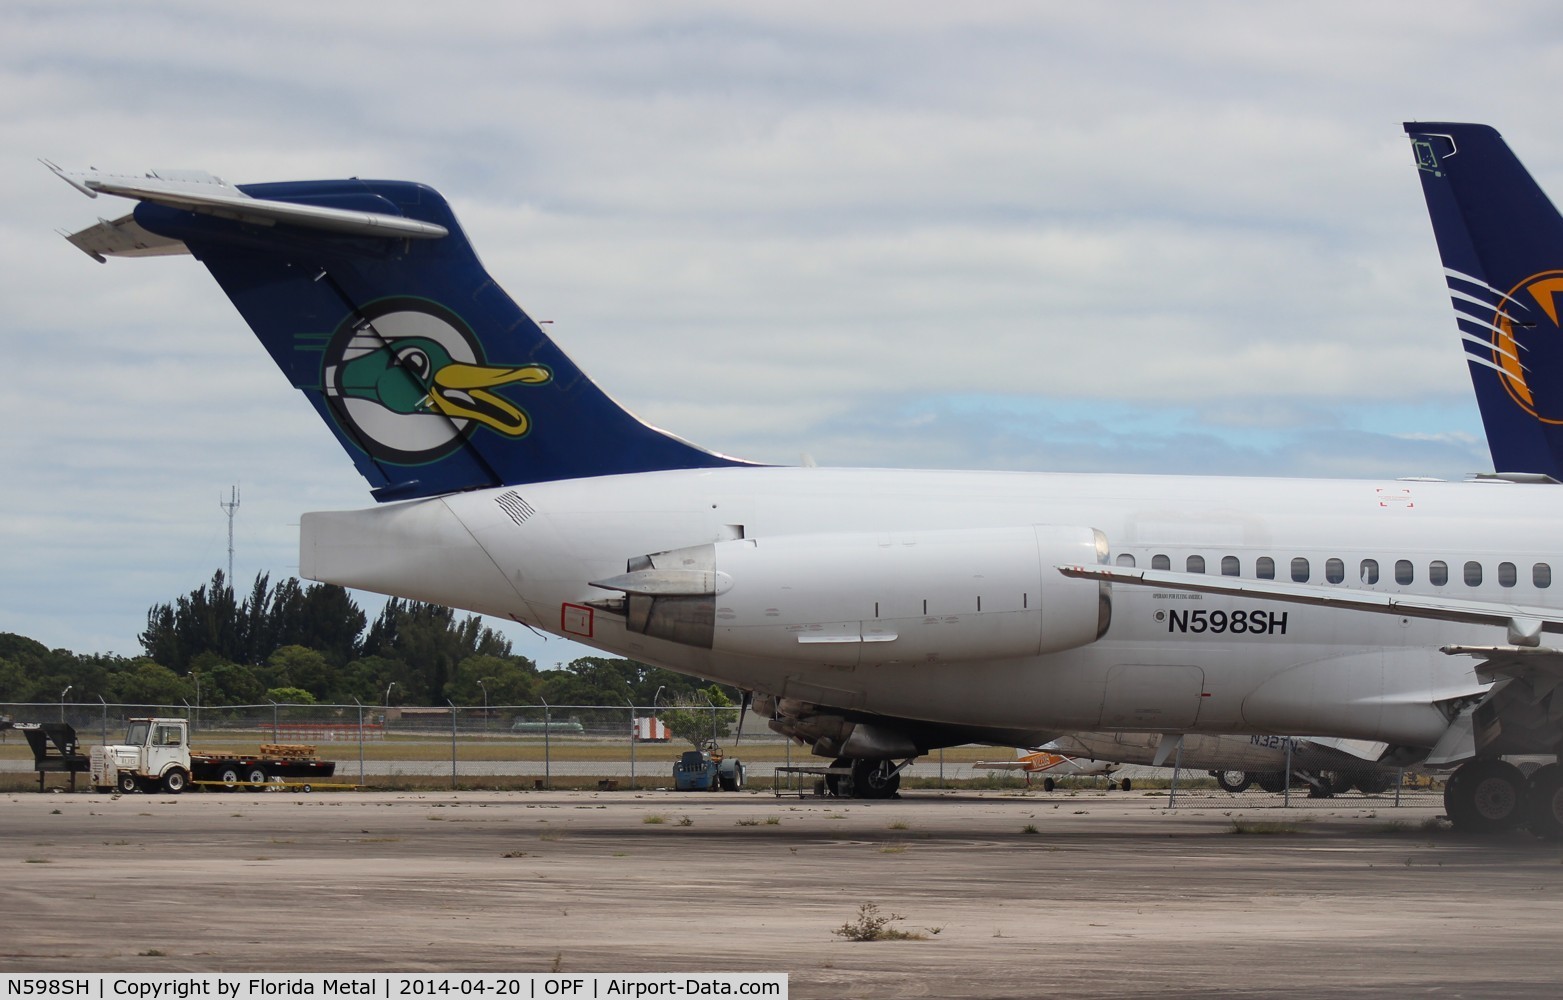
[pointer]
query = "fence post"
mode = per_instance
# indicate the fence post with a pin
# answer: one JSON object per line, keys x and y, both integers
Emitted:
{"x": 1286, "y": 778}
{"x": 273, "y": 721}
{"x": 1177, "y": 765}
{"x": 452, "y": 743}
{"x": 360, "y": 739}
{"x": 633, "y": 734}
{"x": 105, "y": 733}
{"x": 548, "y": 767}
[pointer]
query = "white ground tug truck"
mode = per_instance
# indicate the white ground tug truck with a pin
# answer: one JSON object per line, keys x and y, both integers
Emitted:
{"x": 156, "y": 756}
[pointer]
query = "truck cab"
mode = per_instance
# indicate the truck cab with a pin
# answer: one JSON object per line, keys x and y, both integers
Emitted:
{"x": 155, "y": 755}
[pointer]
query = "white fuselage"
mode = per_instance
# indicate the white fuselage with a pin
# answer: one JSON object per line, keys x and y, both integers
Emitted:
{"x": 933, "y": 595}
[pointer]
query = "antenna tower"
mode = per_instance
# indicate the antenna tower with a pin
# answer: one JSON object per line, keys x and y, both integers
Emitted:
{"x": 230, "y": 505}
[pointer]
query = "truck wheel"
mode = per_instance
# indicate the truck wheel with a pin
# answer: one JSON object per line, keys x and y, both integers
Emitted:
{"x": 128, "y": 782}
{"x": 175, "y": 781}
{"x": 306, "y": 789}
{"x": 229, "y": 778}
{"x": 256, "y": 778}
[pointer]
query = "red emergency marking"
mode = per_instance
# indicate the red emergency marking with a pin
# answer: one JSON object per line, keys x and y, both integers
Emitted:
{"x": 576, "y": 619}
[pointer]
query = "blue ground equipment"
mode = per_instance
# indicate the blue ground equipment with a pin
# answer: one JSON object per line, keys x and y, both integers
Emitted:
{"x": 707, "y": 769}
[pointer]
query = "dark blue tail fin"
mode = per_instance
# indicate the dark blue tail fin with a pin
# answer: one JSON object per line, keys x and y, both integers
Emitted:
{"x": 1501, "y": 241}
{"x": 371, "y": 301}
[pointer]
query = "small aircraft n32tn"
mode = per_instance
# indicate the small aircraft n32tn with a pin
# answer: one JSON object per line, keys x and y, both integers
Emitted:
{"x": 877, "y": 614}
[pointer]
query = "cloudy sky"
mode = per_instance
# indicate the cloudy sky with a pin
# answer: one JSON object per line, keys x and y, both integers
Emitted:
{"x": 1146, "y": 237}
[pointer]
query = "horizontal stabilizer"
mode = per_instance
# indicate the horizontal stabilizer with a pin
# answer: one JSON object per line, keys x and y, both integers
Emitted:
{"x": 123, "y": 237}
{"x": 206, "y": 194}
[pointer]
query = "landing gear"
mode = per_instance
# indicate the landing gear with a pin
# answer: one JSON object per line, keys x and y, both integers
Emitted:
{"x": 1545, "y": 797}
{"x": 1233, "y": 781}
{"x": 875, "y": 779}
{"x": 1271, "y": 781}
{"x": 833, "y": 781}
{"x": 1373, "y": 782}
{"x": 1486, "y": 796}
{"x": 870, "y": 778}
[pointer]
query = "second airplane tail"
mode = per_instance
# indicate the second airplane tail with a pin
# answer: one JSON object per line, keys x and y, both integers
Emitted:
{"x": 1501, "y": 241}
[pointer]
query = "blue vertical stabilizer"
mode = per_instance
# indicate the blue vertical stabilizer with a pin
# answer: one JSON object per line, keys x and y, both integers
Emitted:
{"x": 1501, "y": 241}
{"x": 370, "y": 299}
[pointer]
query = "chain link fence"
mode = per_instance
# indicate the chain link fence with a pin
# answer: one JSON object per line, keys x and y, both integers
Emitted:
{"x": 598, "y": 747}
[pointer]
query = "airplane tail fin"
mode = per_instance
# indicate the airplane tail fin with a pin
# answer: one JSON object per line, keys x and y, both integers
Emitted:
{"x": 1501, "y": 241}
{"x": 372, "y": 302}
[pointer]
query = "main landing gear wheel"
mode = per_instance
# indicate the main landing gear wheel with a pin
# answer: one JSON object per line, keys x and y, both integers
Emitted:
{"x": 1271, "y": 781}
{"x": 874, "y": 779}
{"x": 833, "y": 781}
{"x": 1373, "y": 782}
{"x": 1485, "y": 796}
{"x": 1233, "y": 781}
{"x": 1545, "y": 796}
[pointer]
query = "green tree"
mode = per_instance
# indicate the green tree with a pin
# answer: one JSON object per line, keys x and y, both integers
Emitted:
{"x": 149, "y": 683}
{"x": 509, "y": 680}
{"x": 224, "y": 683}
{"x": 695, "y": 720}
{"x": 290, "y": 695}
{"x": 431, "y": 640}
{"x": 300, "y": 667}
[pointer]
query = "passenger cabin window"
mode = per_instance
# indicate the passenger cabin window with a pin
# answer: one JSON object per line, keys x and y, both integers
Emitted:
{"x": 1334, "y": 570}
{"x": 1369, "y": 571}
{"x": 1126, "y": 559}
{"x": 1508, "y": 576}
{"x": 1160, "y": 562}
{"x": 1404, "y": 572}
{"x": 1541, "y": 575}
{"x": 1230, "y": 566}
{"x": 1264, "y": 568}
{"x": 1473, "y": 574}
{"x": 1438, "y": 572}
{"x": 1300, "y": 570}
{"x": 1195, "y": 564}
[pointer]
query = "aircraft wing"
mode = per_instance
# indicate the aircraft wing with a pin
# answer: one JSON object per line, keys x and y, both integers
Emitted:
{"x": 1042, "y": 760}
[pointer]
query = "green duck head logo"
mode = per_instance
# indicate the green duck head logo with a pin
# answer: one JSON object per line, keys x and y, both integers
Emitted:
{"x": 408, "y": 381}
